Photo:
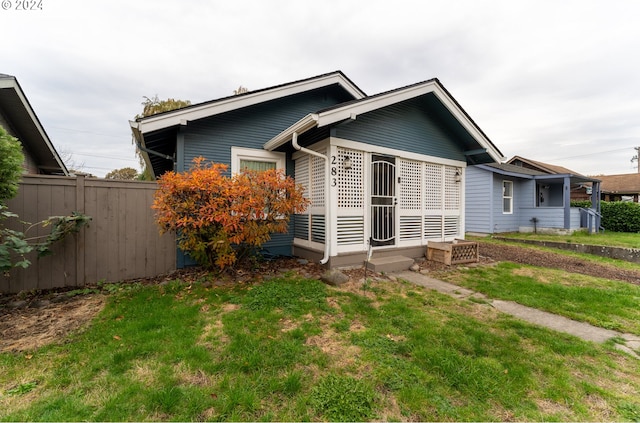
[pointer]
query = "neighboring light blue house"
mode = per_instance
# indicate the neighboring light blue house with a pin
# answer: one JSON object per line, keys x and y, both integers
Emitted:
{"x": 514, "y": 198}
{"x": 383, "y": 171}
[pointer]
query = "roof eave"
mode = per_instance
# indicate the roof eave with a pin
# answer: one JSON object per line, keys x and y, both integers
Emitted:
{"x": 182, "y": 116}
{"x": 11, "y": 82}
{"x": 138, "y": 136}
{"x": 301, "y": 126}
{"x": 505, "y": 172}
{"x": 574, "y": 178}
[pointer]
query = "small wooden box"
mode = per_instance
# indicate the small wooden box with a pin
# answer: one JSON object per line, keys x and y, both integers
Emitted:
{"x": 453, "y": 252}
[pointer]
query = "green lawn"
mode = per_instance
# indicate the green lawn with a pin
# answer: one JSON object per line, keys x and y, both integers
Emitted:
{"x": 612, "y": 239}
{"x": 600, "y": 302}
{"x": 294, "y": 349}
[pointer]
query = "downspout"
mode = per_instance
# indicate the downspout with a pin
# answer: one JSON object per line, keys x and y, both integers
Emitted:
{"x": 327, "y": 208}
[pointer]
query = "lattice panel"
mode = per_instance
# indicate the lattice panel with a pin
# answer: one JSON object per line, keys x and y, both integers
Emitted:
{"x": 301, "y": 226}
{"x": 464, "y": 252}
{"x": 451, "y": 189}
{"x": 317, "y": 167}
{"x": 317, "y": 228}
{"x": 451, "y": 226}
{"x": 433, "y": 227}
{"x": 350, "y": 181}
{"x": 350, "y": 230}
{"x": 410, "y": 186}
{"x": 302, "y": 174}
{"x": 410, "y": 228}
{"x": 432, "y": 186}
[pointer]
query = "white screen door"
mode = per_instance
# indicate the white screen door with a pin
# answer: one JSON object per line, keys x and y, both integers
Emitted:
{"x": 383, "y": 200}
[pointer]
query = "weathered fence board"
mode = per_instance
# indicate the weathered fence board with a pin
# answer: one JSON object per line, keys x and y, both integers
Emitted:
{"x": 121, "y": 242}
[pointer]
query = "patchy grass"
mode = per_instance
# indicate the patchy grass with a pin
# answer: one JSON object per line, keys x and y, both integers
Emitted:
{"x": 600, "y": 302}
{"x": 294, "y": 349}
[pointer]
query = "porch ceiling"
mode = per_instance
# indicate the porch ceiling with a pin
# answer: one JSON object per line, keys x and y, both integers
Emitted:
{"x": 163, "y": 142}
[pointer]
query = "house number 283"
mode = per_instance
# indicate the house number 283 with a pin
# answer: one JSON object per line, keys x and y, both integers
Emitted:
{"x": 334, "y": 171}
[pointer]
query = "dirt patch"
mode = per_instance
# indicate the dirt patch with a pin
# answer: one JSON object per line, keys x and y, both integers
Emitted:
{"x": 490, "y": 251}
{"x": 26, "y": 326}
{"x": 329, "y": 343}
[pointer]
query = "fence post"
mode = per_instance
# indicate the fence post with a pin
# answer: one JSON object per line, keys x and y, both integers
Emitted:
{"x": 80, "y": 208}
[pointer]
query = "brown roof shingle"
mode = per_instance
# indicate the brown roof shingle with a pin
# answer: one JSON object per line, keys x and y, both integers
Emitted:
{"x": 620, "y": 184}
{"x": 544, "y": 167}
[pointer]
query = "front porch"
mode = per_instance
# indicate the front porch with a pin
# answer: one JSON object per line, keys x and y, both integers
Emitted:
{"x": 552, "y": 220}
{"x": 375, "y": 200}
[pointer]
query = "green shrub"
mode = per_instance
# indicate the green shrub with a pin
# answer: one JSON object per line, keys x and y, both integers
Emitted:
{"x": 15, "y": 245}
{"x": 618, "y": 216}
{"x": 586, "y": 204}
{"x": 11, "y": 159}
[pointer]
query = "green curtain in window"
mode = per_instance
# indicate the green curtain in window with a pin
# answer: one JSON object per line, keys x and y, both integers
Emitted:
{"x": 256, "y": 165}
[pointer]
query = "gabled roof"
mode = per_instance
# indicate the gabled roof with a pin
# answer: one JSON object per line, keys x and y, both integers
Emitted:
{"x": 27, "y": 127}
{"x": 511, "y": 170}
{"x": 543, "y": 167}
{"x": 351, "y": 109}
{"x": 508, "y": 169}
{"x": 620, "y": 184}
{"x": 155, "y": 135}
{"x": 222, "y": 105}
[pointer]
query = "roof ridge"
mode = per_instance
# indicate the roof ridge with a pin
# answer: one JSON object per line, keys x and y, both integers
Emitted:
{"x": 253, "y": 92}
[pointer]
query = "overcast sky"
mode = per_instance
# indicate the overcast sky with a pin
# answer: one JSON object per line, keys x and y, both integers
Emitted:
{"x": 555, "y": 81}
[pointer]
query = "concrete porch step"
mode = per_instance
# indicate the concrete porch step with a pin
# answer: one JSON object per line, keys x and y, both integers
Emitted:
{"x": 389, "y": 264}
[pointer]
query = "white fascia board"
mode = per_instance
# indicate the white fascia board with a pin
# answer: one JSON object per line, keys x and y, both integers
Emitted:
{"x": 303, "y": 125}
{"x": 179, "y": 117}
{"x": 7, "y": 83}
{"x": 347, "y": 112}
{"x": 373, "y": 103}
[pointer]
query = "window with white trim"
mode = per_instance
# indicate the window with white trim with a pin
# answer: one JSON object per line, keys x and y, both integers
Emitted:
{"x": 507, "y": 197}
{"x": 255, "y": 159}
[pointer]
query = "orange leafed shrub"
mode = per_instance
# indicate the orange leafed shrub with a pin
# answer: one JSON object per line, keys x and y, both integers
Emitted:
{"x": 214, "y": 215}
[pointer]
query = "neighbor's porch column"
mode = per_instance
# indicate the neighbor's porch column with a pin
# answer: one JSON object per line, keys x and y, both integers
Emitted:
{"x": 595, "y": 203}
{"x": 566, "y": 195}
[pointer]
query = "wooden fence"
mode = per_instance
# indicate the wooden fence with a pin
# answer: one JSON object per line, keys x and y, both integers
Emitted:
{"x": 121, "y": 242}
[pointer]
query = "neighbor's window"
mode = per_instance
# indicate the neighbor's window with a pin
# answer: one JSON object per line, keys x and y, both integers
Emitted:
{"x": 255, "y": 159}
{"x": 507, "y": 197}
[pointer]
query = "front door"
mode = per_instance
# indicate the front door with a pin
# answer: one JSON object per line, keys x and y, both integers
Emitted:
{"x": 383, "y": 200}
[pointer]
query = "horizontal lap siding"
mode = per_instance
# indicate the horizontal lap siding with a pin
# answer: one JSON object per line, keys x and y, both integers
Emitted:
{"x": 478, "y": 200}
{"x": 523, "y": 197}
{"x": 405, "y": 127}
{"x": 548, "y": 217}
{"x": 504, "y": 222}
{"x": 251, "y": 127}
{"x": 121, "y": 242}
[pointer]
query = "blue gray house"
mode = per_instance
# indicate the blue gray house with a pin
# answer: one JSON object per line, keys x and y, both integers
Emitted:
{"x": 384, "y": 172}
{"x": 514, "y": 197}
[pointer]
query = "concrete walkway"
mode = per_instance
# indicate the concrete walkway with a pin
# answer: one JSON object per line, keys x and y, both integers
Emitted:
{"x": 532, "y": 315}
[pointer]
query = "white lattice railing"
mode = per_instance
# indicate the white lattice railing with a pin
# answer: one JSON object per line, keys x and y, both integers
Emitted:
{"x": 429, "y": 201}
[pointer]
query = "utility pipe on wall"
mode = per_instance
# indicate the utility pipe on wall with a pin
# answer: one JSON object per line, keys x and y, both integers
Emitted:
{"x": 327, "y": 208}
